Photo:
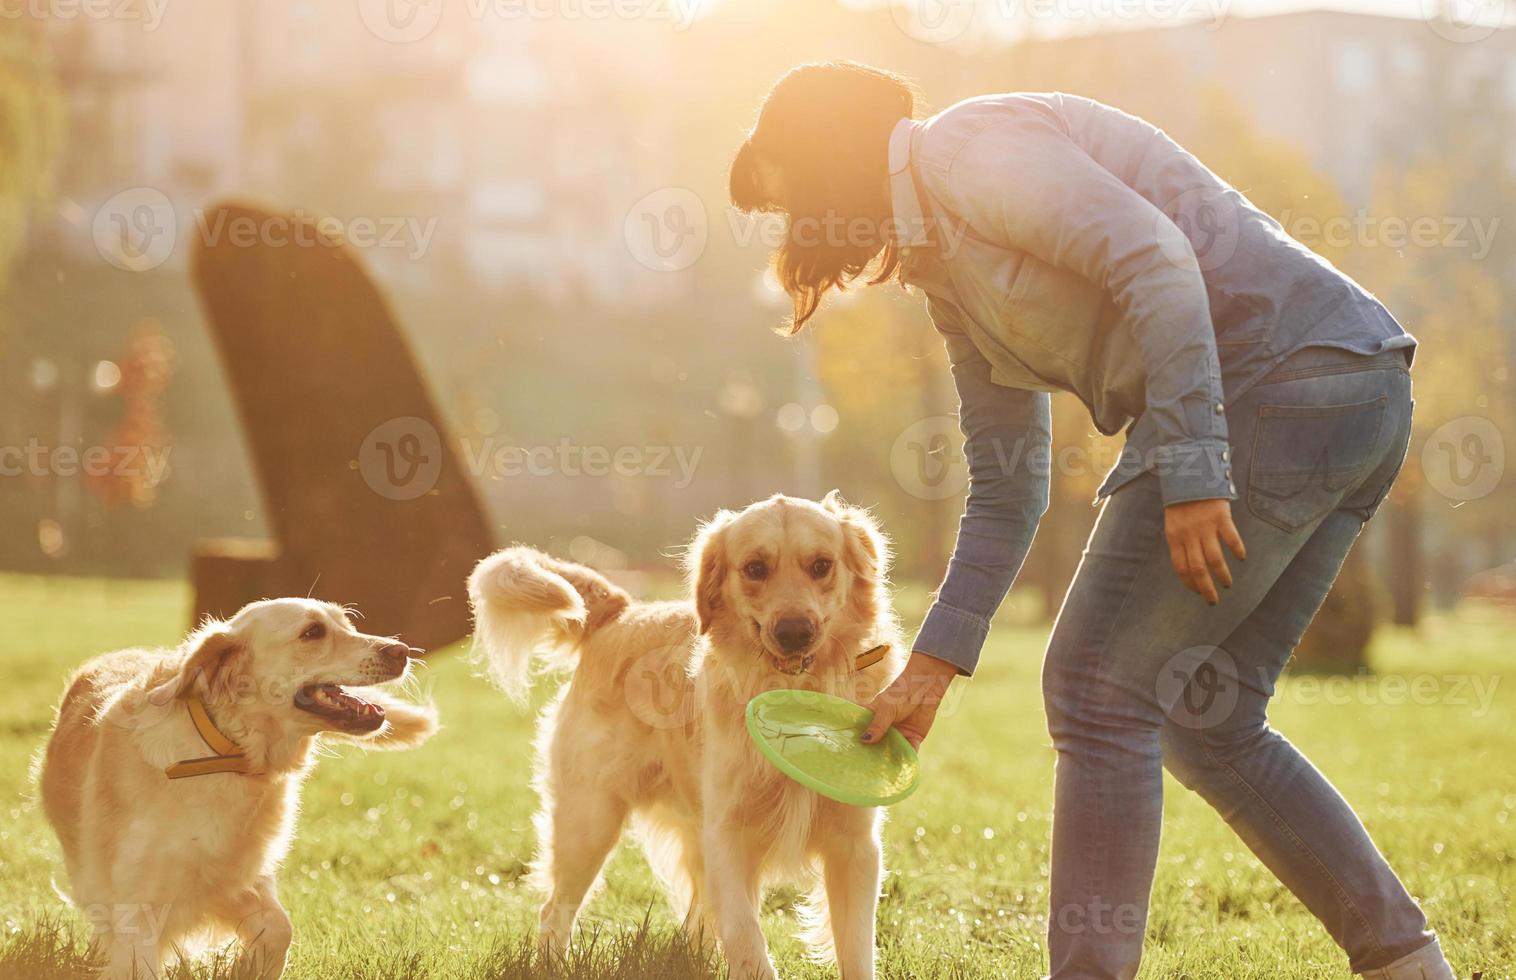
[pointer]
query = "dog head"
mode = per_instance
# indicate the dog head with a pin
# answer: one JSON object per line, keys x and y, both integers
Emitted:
{"x": 798, "y": 583}
{"x": 285, "y": 668}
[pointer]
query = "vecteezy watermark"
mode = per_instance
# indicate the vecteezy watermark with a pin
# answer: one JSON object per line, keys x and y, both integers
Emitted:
{"x": 407, "y": 21}
{"x": 1464, "y": 459}
{"x": 302, "y": 229}
{"x": 493, "y": 458}
{"x": 137, "y": 922}
{"x": 400, "y": 21}
{"x": 943, "y": 21}
{"x": 149, "y": 13}
{"x": 1199, "y": 687}
{"x": 138, "y": 229}
{"x": 934, "y": 21}
{"x": 1098, "y": 917}
{"x": 1466, "y": 21}
{"x": 927, "y": 459}
{"x": 1363, "y": 229}
{"x": 1210, "y": 223}
{"x": 667, "y": 230}
{"x": 659, "y": 689}
{"x": 401, "y": 459}
{"x": 146, "y": 464}
{"x": 1395, "y": 690}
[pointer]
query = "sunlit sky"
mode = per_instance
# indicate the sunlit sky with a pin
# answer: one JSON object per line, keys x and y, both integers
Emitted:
{"x": 1406, "y": 8}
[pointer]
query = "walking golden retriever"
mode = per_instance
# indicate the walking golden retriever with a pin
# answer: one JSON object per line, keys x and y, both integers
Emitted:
{"x": 650, "y": 729}
{"x": 172, "y": 777}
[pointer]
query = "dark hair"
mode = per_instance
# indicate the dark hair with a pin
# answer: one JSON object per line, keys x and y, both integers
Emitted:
{"x": 824, "y": 129}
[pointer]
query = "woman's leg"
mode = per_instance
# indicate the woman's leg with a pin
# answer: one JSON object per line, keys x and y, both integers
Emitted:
{"x": 1281, "y": 806}
{"x": 1327, "y": 434}
{"x": 1126, "y": 621}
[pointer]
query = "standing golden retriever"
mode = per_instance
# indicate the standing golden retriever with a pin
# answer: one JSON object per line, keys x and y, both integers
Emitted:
{"x": 173, "y": 776}
{"x": 788, "y": 593}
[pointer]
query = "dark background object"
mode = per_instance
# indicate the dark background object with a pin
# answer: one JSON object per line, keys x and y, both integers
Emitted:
{"x": 367, "y": 502}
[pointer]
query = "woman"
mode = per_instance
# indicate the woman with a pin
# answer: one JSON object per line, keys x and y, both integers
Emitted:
{"x": 1064, "y": 245}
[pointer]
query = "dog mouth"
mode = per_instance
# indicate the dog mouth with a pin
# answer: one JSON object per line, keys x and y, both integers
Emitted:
{"x": 332, "y": 703}
{"x": 793, "y": 665}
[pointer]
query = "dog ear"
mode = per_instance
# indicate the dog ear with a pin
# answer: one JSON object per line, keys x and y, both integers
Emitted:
{"x": 865, "y": 554}
{"x": 707, "y": 567}
{"x": 866, "y": 551}
{"x": 214, "y": 649}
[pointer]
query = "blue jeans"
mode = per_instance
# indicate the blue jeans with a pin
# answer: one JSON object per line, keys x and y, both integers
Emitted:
{"x": 1141, "y": 674}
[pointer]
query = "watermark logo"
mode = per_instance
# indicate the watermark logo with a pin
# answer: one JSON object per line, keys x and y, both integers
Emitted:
{"x": 1200, "y": 686}
{"x": 147, "y": 12}
{"x": 933, "y": 21}
{"x": 135, "y": 230}
{"x": 1465, "y": 21}
{"x": 400, "y": 21}
{"x": 1212, "y": 225}
{"x": 1363, "y": 229}
{"x": 402, "y": 458}
{"x": 1464, "y": 459}
{"x": 491, "y": 458}
{"x": 667, "y": 230}
{"x": 927, "y": 460}
{"x": 303, "y": 229}
{"x": 658, "y": 689}
{"x": 147, "y": 465}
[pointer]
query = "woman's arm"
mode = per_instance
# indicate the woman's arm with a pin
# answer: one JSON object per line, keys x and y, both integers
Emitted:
{"x": 1007, "y": 441}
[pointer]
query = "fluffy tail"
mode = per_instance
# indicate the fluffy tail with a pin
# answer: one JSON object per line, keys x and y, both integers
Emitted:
{"x": 529, "y": 604}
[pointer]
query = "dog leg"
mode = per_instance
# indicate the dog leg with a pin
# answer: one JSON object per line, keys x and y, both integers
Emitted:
{"x": 851, "y": 869}
{"x": 585, "y": 826}
{"x": 699, "y": 928}
{"x": 732, "y": 884}
{"x": 132, "y": 959}
{"x": 264, "y": 929}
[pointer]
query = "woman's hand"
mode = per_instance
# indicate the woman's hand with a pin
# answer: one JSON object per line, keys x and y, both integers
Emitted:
{"x": 1196, "y": 530}
{"x": 910, "y": 702}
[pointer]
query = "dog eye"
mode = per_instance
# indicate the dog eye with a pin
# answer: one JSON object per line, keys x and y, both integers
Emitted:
{"x": 755, "y": 570}
{"x": 820, "y": 567}
{"x": 314, "y": 631}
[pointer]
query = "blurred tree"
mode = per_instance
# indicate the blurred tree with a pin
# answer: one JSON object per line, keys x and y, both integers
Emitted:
{"x": 1447, "y": 291}
{"x": 31, "y": 130}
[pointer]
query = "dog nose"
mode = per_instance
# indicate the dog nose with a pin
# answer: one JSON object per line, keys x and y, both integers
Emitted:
{"x": 794, "y": 633}
{"x": 399, "y": 653}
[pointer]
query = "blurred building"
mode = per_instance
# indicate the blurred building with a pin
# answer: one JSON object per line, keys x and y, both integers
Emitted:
{"x": 1356, "y": 91}
{"x": 494, "y": 131}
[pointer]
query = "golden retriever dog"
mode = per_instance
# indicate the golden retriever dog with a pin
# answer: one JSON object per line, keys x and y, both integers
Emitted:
{"x": 172, "y": 777}
{"x": 649, "y": 732}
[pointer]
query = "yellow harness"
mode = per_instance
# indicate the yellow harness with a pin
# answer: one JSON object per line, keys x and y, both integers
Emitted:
{"x": 228, "y": 757}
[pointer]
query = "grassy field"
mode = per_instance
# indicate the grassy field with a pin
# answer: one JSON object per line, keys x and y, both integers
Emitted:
{"x": 410, "y": 865}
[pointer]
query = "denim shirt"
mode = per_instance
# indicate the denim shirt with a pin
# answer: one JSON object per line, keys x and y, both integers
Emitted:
{"x": 1064, "y": 245}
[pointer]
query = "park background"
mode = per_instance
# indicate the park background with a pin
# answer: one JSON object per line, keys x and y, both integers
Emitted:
{"x": 538, "y": 191}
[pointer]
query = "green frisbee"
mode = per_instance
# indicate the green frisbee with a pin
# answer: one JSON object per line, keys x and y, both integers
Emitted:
{"x": 814, "y": 739}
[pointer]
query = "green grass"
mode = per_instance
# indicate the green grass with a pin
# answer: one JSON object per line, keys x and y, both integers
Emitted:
{"x": 411, "y": 864}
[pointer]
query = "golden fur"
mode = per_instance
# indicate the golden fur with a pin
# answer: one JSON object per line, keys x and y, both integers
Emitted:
{"x": 650, "y": 730}
{"x": 160, "y": 865}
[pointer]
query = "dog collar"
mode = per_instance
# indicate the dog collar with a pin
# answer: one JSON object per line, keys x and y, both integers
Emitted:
{"x": 869, "y": 658}
{"x": 228, "y": 757}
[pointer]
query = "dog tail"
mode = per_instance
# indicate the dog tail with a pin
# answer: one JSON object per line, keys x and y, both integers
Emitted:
{"x": 528, "y": 604}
